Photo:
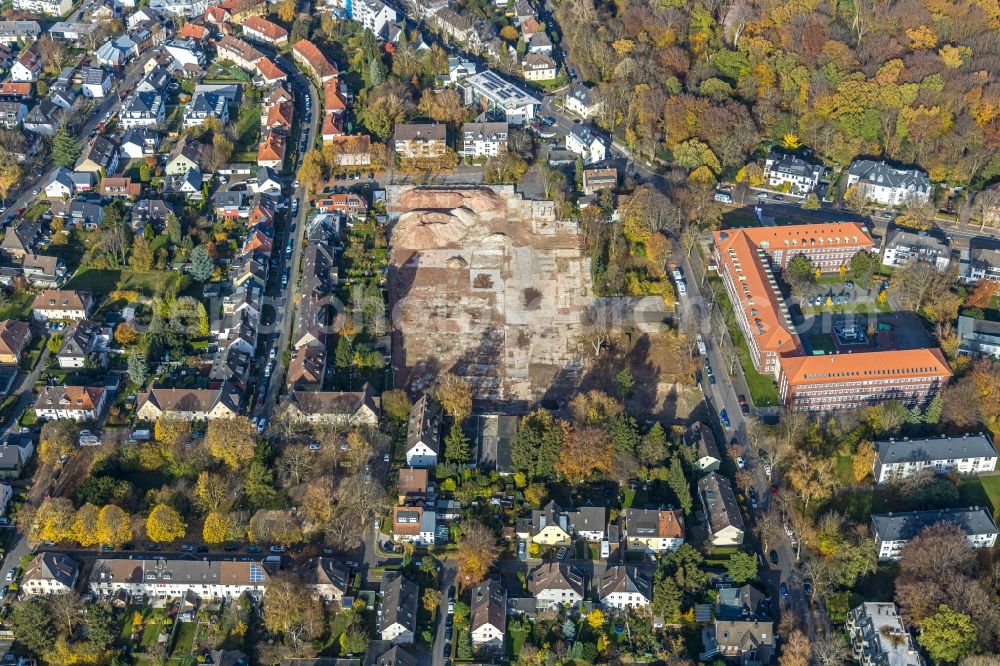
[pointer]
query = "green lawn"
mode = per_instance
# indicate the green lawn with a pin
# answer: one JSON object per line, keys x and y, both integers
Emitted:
{"x": 845, "y": 470}
{"x": 105, "y": 281}
{"x": 17, "y": 305}
{"x": 982, "y": 491}
{"x": 739, "y": 218}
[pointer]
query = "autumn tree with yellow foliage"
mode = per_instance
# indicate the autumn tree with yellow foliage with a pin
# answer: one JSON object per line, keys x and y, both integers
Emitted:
{"x": 477, "y": 552}
{"x": 164, "y": 524}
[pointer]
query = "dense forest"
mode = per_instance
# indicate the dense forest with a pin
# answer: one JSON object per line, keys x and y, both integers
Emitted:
{"x": 706, "y": 82}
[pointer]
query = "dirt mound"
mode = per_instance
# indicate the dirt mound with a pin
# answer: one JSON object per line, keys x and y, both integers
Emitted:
{"x": 445, "y": 218}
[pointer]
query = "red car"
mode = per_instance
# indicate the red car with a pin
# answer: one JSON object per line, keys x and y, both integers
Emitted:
{"x": 19, "y": 211}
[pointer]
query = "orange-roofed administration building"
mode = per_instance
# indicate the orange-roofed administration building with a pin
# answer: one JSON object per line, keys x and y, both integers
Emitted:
{"x": 309, "y": 56}
{"x": 846, "y": 381}
{"x": 749, "y": 261}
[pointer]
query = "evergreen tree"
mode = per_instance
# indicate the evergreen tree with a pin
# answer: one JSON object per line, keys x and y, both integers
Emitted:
{"x": 137, "y": 371}
{"x": 343, "y": 356}
{"x": 456, "y": 445}
{"x": 625, "y": 433}
{"x": 667, "y": 597}
{"x": 173, "y": 229}
{"x": 376, "y": 71}
{"x": 569, "y": 629}
{"x": 578, "y": 173}
{"x": 537, "y": 445}
{"x": 679, "y": 484}
{"x": 65, "y": 148}
{"x": 201, "y": 265}
{"x": 933, "y": 413}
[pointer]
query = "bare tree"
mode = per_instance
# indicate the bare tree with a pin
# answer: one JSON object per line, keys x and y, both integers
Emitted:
{"x": 830, "y": 649}
{"x": 602, "y": 321}
{"x": 768, "y": 528}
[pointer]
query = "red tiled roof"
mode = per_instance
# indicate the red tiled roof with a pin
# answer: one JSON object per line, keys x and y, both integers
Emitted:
{"x": 193, "y": 31}
{"x": 865, "y": 366}
{"x": 332, "y": 101}
{"x": 269, "y": 71}
{"x": 280, "y": 115}
{"x": 322, "y": 68}
{"x": 271, "y": 148}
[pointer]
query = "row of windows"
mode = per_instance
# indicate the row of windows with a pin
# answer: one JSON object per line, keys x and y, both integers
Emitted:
{"x": 858, "y": 373}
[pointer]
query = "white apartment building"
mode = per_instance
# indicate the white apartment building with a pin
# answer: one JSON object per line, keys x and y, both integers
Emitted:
{"x": 894, "y": 530}
{"x": 484, "y": 139}
{"x": 169, "y": 579}
{"x": 879, "y": 637}
{"x": 967, "y": 455}
{"x": 801, "y": 177}
{"x": 889, "y": 186}
{"x": 50, "y": 7}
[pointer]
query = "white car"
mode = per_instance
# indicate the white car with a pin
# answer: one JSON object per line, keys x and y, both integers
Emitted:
{"x": 681, "y": 287}
{"x": 741, "y": 463}
{"x": 767, "y": 470}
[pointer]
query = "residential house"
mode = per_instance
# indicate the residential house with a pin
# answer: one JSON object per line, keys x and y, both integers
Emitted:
{"x": 80, "y": 403}
{"x": 267, "y": 183}
{"x": 28, "y": 65}
{"x": 50, "y": 573}
{"x": 887, "y": 185}
{"x": 114, "y": 53}
{"x": 423, "y": 433}
{"x": 193, "y": 579}
{"x": 15, "y": 452}
{"x": 43, "y": 271}
{"x": 12, "y": 114}
{"x": 456, "y": 27}
{"x": 45, "y": 118}
{"x": 238, "y": 52}
{"x": 278, "y": 116}
{"x": 879, "y": 637}
{"x": 538, "y": 67}
{"x": 373, "y": 15}
{"x": 654, "y": 530}
{"x": 62, "y": 304}
{"x": 791, "y": 174}
{"x": 488, "y": 615}
{"x": 21, "y": 238}
{"x": 204, "y": 106}
{"x": 16, "y": 90}
{"x": 329, "y": 579}
{"x": 539, "y": 43}
{"x": 414, "y": 524}
{"x": 491, "y": 93}
{"x": 78, "y": 33}
{"x": 309, "y": 56}
{"x": 583, "y": 101}
{"x": 189, "y": 404}
{"x": 552, "y": 524}
{"x": 484, "y": 139}
{"x": 84, "y": 343}
{"x": 746, "y": 642}
{"x": 625, "y": 587}
{"x": 151, "y": 211}
{"x": 556, "y": 585}
{"x": 101, "y": 156}
{"x": 49, "y": 7}
{"x": 894, "y": 530}
{"x": 978, "y": 337}
{"x": 414, "y": 487}
{"x": 416, "y": 141}
{"x": 143, "y": 109}
{"x": 15, "y": 339}
{"x": 742, "y": 603}
{"x": 187, "y": 54}
{"x": 980, "y": 263}
{"x": 195, "y": 31}
{"x": 84, "y": 214}
{"x": 396, "y": 656}
{"x": 902, "y": 247}
{"x": 397, "y": 611}
{"x": 718, "y": 502}
{"x": 700, "y": 436}
{"x": 268, "y": 73}
{"x": 271, "y": 152}
{"x": 23, "y": 145}
{"x": 587, "y": 143}
{"x": 96, "y": 83}
{"x": 257, "y": 29}
{"x": 15, "y": 33}
{"x": 355, "y": 408}
{"x": 185, "y": 157}
{"x": 120, "y": 187}
{"x": 346, "y": 203}
{"x": 139, "y": 143}
{"x": 61, "y": 185}
{"x": 595, "y": 180}
{"x": 970, "y": 454}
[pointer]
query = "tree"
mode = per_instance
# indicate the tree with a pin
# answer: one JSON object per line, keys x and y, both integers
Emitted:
{"x": 864, "y": 459}
{"x": 585, "y": 451}
{"x": 596, "y": 619}
{"x": 917, "y": 282}
{"x": 222, "y": 151}
{"x": 57, "y": 440}
{"x": 65, "y": 148}
{"x": 137, "y": 370}
{"x": 796, "y": 651}
{"x": 800, "y": 274}
{"x": 290, "y": 611}
{"x": 312, "y": 169}
{"x": 201, "y": 266}
{"x": 505, "y": 168}
{"x": 142, "y": 254}
{"x": 679, "y": 484}
{"x": 653, "y": 447}
{"x": 477, "y": 551}
{"x": 102, "y": 628}
{"x": 354, "y": 641}
{"x": 125, "y": 334}
{"x": 113, "y": 526}
{"x": 396, "y": 405}
{"x": 431, "y": 599}
{"x": 66, "y": 609}
{"x": 85, "y": 525}
{"x": 172, "y": 431}
{"x": 667, "y": 598}
{"x": 742, "y": 567}
{"x": 948, "y": 635}
{"x": 33, "y": 627}
{"x": 286, "y": 10}
{"x": 231, "y": 440}
{"x": 537, "y": 444}
{"x": 455, "y": 396}
{"x": 625, "y": 382}
{"x": 173, "y": 229}
{"x": 165, "y": 524}
{"x": 811, "y": 201}
{"x": 862, "y": 266}
{"x": 52, "y": 521}
{"x": 456, "y": 445}
{"x": 216, "y": 527}
{"x": 10, "y": 174}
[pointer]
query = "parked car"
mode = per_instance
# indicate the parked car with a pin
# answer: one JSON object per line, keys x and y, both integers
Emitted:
{"x": 741, "y": 462}
{"x": 753, "y": 498}
{"x": 783, "y": 590}
{"x": 773, "y": 556}
{"x": 186, "y": 547}
{"x": 724, "y": 417}
{"x": 277, "y": 549}
{"x": 561, "y": 555}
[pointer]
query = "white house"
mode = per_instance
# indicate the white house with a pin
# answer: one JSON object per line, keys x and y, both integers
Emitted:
{"x": 185, "y": 52}
{"x": 28, "y": 65}
{"x": 207, "y": 580}
{"x": 538, "y": 67}
{"x": 397, "y": 611}
{"x": 801, "y": 177}
{"x": 718, "y": 502}
{"x": 50, "y": 573}
{"x": 555, "y": 585}
{"x": 486, "y": 139}
{"x": 501, "y": 96}
{"x": 80, "y": 403}
{"x": 488, "y": 615}
{"x": 701, "y": 437}
{"x": 903, "y": 246}
{"x": 414, "y": 524}
{"x": 879, "y": 637}
{"x": 889, "y": 186}
{"x": 96, "y": 83}
{"x": 894, "y": 530}
{"x": 143, "y": 109}
{"x": 582, "y": 100}
{"x": 204, "y": 106}
{"x": 966, "y": 455}
{"x": 50, "y": 7}
{"x": 372, "y": 14}
{"x": 61, "y": 185}
{"x": 624, "y": 587}
{"x": 654, "y": 530}
{"x": 423, "y": 433}
{"x": 586, "y": 143}
{"x": 139, "y": 142}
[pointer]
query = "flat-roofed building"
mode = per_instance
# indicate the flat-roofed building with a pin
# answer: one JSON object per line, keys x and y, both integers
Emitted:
{"x": 491, "y": 92}
{"x": 879, "y": 637}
